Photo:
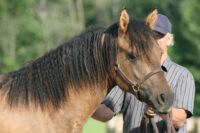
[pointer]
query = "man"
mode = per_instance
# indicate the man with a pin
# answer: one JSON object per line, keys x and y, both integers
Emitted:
{"x": 179, "y": 78}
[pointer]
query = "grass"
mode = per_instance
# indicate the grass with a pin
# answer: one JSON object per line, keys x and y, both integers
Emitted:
{"x": 93, "y": 126}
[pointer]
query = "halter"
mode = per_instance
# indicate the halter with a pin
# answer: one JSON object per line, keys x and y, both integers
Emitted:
{"x": 135, "y": 87}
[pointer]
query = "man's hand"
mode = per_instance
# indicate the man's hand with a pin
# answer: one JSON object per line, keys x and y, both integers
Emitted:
{"x": 149, "y": 111}
{"x": 179, "y": 116}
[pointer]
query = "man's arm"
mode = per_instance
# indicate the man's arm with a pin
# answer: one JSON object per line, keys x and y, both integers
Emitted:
{"x": 111, "y": 105}
{"x": 103, "y": 113}
{"x": 183, "y": 107}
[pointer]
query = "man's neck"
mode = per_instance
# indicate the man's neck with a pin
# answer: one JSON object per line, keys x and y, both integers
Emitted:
{"x": 163, "y": 57}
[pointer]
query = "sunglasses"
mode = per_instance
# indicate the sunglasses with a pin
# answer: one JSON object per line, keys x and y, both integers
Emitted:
{"x": 158, "y": 35}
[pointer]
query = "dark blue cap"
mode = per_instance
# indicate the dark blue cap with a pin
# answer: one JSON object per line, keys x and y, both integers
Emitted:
{"x": 163, "y": 25}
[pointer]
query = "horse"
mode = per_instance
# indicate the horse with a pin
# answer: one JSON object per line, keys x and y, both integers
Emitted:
{"x": 59, "y": 91}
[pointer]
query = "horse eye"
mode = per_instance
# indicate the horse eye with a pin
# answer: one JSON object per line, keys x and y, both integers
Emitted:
{"x": 131, "y": 56}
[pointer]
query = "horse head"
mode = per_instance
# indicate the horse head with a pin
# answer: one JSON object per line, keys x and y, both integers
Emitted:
{"x": 137, "y": 68}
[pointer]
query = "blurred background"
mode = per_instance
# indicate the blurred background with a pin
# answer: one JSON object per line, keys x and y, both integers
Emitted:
{"x": 29, "y": 28}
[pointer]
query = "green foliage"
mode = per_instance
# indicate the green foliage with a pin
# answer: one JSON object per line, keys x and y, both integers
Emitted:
{"x": 9, "y": 63}
{"x": 29, "y": 28}
{"x": 197, "y": 102}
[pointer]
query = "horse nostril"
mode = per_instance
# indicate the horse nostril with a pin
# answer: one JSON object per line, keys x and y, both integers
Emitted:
{"x": 162, "y": 98}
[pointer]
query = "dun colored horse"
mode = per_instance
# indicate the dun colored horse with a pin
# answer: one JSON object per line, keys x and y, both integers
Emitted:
{"x": 59, "y": 91}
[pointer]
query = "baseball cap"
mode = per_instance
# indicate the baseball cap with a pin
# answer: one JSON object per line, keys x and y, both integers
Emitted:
{"x": 163, "y": 25}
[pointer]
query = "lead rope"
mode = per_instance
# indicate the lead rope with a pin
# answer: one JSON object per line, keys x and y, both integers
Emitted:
{"x": 148, "y": 119}
{"x": 168, "y": 121}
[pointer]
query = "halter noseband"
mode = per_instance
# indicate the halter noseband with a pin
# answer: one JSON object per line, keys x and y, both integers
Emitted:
{"x": 135, "y": 86}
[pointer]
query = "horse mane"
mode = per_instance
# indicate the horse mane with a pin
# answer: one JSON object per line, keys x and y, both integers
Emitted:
{"x": 82, "y": 61}
{"x": 142, "y": 38}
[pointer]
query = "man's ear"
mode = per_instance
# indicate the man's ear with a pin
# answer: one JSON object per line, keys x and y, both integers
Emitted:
{"x": 123, "y": 21}
{"x": 152, "y": 18}
{"x": 170, "y": 39}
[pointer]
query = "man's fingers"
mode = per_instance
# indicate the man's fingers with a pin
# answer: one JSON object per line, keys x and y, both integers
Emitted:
{"x": 150, "y": 112}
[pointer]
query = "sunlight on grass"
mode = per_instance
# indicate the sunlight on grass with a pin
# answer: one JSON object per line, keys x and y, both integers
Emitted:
{"x": 93, "y": 126}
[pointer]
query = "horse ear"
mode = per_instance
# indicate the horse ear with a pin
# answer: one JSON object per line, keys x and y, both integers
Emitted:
{"x": 152, "y": 18}
{"x": 123, "y": 21}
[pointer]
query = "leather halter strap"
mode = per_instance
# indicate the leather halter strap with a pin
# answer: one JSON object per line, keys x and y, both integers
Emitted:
{"x": 135, "y": 86}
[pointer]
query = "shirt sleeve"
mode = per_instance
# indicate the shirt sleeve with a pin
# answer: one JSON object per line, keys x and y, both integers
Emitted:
{"x": 185, "y": 93}
{"x": 114, "y": 99}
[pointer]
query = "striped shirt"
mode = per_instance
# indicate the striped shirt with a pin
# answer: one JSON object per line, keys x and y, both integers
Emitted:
{"x": 182, "y": 84}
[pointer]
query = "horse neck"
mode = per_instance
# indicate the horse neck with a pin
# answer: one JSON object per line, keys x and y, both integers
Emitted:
{"x": 80, "y": 106}
{"x": 84, "y": 103}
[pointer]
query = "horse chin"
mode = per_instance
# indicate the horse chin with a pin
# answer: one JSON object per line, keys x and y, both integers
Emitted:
{"x": 159, "y": 109}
